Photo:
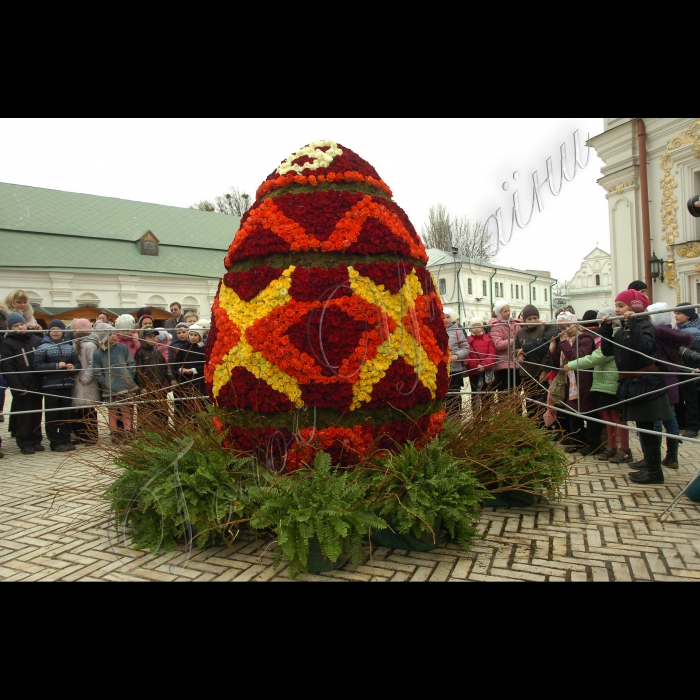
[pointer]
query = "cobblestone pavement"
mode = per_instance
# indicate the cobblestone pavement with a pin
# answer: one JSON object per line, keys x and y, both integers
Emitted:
{"x": 54, "y": 527}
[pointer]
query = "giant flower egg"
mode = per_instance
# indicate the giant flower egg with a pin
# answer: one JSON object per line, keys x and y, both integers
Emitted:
{"x": 327, "y": 331}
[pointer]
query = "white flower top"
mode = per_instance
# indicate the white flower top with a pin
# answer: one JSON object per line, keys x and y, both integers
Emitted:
{"x": 322, "y": 159}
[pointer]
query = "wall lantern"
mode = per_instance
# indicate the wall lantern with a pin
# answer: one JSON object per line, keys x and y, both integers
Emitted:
{"x": 656, "y": 267}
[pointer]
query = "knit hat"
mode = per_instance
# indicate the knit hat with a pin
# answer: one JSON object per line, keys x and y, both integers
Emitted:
{"x": 660, "y": 319}
{"x": 499, "y": 306}
{"x": 638, "y": 286}
{"x": 566, "y": 317}
{"x": 164, "y": 336}
{"x": 81, "y": 324}
{"x": 14, "y": 318}
{"x": 124, "y": 323}
{"x": 588, "y": 317}
{"x": 691, "y": 313}
{"x": 447, "y": 311}
{"x": 141, "y": 319}
{"x": 196, "y": 328}
{"x": 205, "y": 324}
{"x": 103, "y": 331}
{"x": 476, "y": 322}
{"x": 632, "y": 295}
{"x": 608, "y": 312}
{"x": 181, "y": 325}
{"x": 530, "y": 310}
{"x": 57, "y": 323}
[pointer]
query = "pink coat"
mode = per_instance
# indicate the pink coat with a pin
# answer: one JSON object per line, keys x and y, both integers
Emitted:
{"x": 132, "y": 344}
{"x": 502, "y": 340}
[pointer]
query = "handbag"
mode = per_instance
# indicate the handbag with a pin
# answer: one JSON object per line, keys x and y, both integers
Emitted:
{"x": 557, "y": 388}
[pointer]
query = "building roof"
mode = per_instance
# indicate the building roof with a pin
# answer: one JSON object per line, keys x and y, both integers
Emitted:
{"x": 436, "y": 258}
{"x": 67, "y": 231}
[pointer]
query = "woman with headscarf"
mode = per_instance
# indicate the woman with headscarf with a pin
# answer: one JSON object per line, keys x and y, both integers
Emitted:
{"x": 504, "y": 330}
{"x": 641, "y": 388}
{"x": 459, "y": 353}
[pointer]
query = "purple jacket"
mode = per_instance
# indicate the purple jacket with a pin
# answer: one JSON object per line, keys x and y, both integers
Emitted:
{"x": 668, "y": 342}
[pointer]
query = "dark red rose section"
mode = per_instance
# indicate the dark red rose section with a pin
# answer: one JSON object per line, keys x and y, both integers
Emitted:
{"x": 329, "y": 337}
{"x": 336, "y": 396}
{"x": 317, "y": 212}
{"x": 245, "y": 390}
{"x": 250, "y": 283}
{"x": 348, "y": 162}
{"x": 400, "y": 388}
{"x": 391, "y": 275}
{"x": 426, "y": 280}
{"x": 316, "y": 284}
{"x": 376, "y": 238}
{"x": 260, "y": 243}
{"x": 443, "y": 382}
{"x": 403, "y": 217}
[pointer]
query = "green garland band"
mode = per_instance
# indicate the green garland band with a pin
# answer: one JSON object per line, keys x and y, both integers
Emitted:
{"x": 325, "y": 417}
{"x": 322, "y": 260}
{"x": 325, "y": 187}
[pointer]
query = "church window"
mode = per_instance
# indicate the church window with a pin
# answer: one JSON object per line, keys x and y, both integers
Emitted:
{"x": 597, "y": 280}
{"x": 470, "y": 289}
{"x": 483, "y": 286}
{"x": 443, "y": 287}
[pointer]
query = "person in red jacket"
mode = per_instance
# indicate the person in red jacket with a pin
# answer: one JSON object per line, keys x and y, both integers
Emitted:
{"x": 482, "y": 358}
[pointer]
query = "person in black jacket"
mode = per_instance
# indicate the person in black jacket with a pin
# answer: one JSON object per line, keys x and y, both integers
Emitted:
{"x": 154, "y": 379}
{"x": 17, "y": 354}
{"x": 189, "y": 367}
{"x": 58, "y": 364}
{"x": 643, "y": 392}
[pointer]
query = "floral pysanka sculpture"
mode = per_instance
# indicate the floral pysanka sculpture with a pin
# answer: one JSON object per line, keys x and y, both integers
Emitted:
{"x": 327, "y": 331}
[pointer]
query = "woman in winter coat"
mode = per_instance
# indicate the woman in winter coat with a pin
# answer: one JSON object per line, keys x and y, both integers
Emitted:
{"x": 115, "y": 370}
{"x": 482, "y": 355}
{"x": 572, "y": 344}
{"x": 17, "y": 353}
{"x": 86, "y": 392}
{"x": 18, "y": 301}
{"x": 642, "y": 391}
{"x": 58, "y": 364}
{"x": 504, "y": 330}
{"x": 459, "y": 352}
{"x": 689, "y": 322}
{"x": 190, "y": 372}
{"x": 668, "y": 345}
{"x": 604, "y": 393}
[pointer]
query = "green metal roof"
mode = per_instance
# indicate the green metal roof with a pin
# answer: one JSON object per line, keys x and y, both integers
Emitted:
{"x": 36, "y": 210}
{"x": 70, "y": 232}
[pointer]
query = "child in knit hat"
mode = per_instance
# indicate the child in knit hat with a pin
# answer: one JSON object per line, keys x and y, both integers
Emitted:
{"x": 190, "y": 372}
{"x": 115, "y": 371}
{"x": 58, "y": 364}
{"x": 482, "y": 358}
{"x": 126, "y": 336}
{"x": 531, "y": 350}
{"x": 504, "y": 329}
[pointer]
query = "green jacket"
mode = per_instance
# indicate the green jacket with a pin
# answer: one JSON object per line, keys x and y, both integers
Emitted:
{"x": 605, "y": 375}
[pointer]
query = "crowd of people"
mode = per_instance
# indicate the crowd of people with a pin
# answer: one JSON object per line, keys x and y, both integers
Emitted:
{"x": 595, "y": 375}
{"x": 61, "y": 374}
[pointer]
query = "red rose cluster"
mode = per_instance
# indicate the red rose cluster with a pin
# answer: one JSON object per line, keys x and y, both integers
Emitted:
{"x": 318, "y": 212}
{"x": 260, "y": 244}
{"x": 391, "y": 275}
{"x": 317, "y": 284}
{"x": 245, "y": 390}
{"x": 328, "y": 335}
{"x": 400, "y": 388}
{"x": 376, "y": 238}
{"x": 250, "y": 283}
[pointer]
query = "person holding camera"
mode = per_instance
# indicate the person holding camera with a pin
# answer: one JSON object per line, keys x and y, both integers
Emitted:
{"x": 689, "y": 322}
{"x": 641, "y": 388}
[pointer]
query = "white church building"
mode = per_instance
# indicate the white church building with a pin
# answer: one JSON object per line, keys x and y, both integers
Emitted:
{"x": 591, "y": 287}
{"x": 652, "y": 168}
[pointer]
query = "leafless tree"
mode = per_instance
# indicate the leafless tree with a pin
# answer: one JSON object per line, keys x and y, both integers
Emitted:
{"x": 562, "y": 289}
{"x": 233, "y": 203}
{"x": 473, "y": 240}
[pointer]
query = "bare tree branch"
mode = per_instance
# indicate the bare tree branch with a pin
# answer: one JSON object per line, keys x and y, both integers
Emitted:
{"x": 472, "y": 240}
{"x": 233, "y": 203}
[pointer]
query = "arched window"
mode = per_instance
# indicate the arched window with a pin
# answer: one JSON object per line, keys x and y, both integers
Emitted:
{"x": 157, "y": 302}
{"x": 88, "y": 299}
{"x": 190, "y": 303}
{"x": 597, "y": 280}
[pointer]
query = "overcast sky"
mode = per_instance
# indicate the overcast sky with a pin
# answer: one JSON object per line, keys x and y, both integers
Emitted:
{"x": 461, "y": 163}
